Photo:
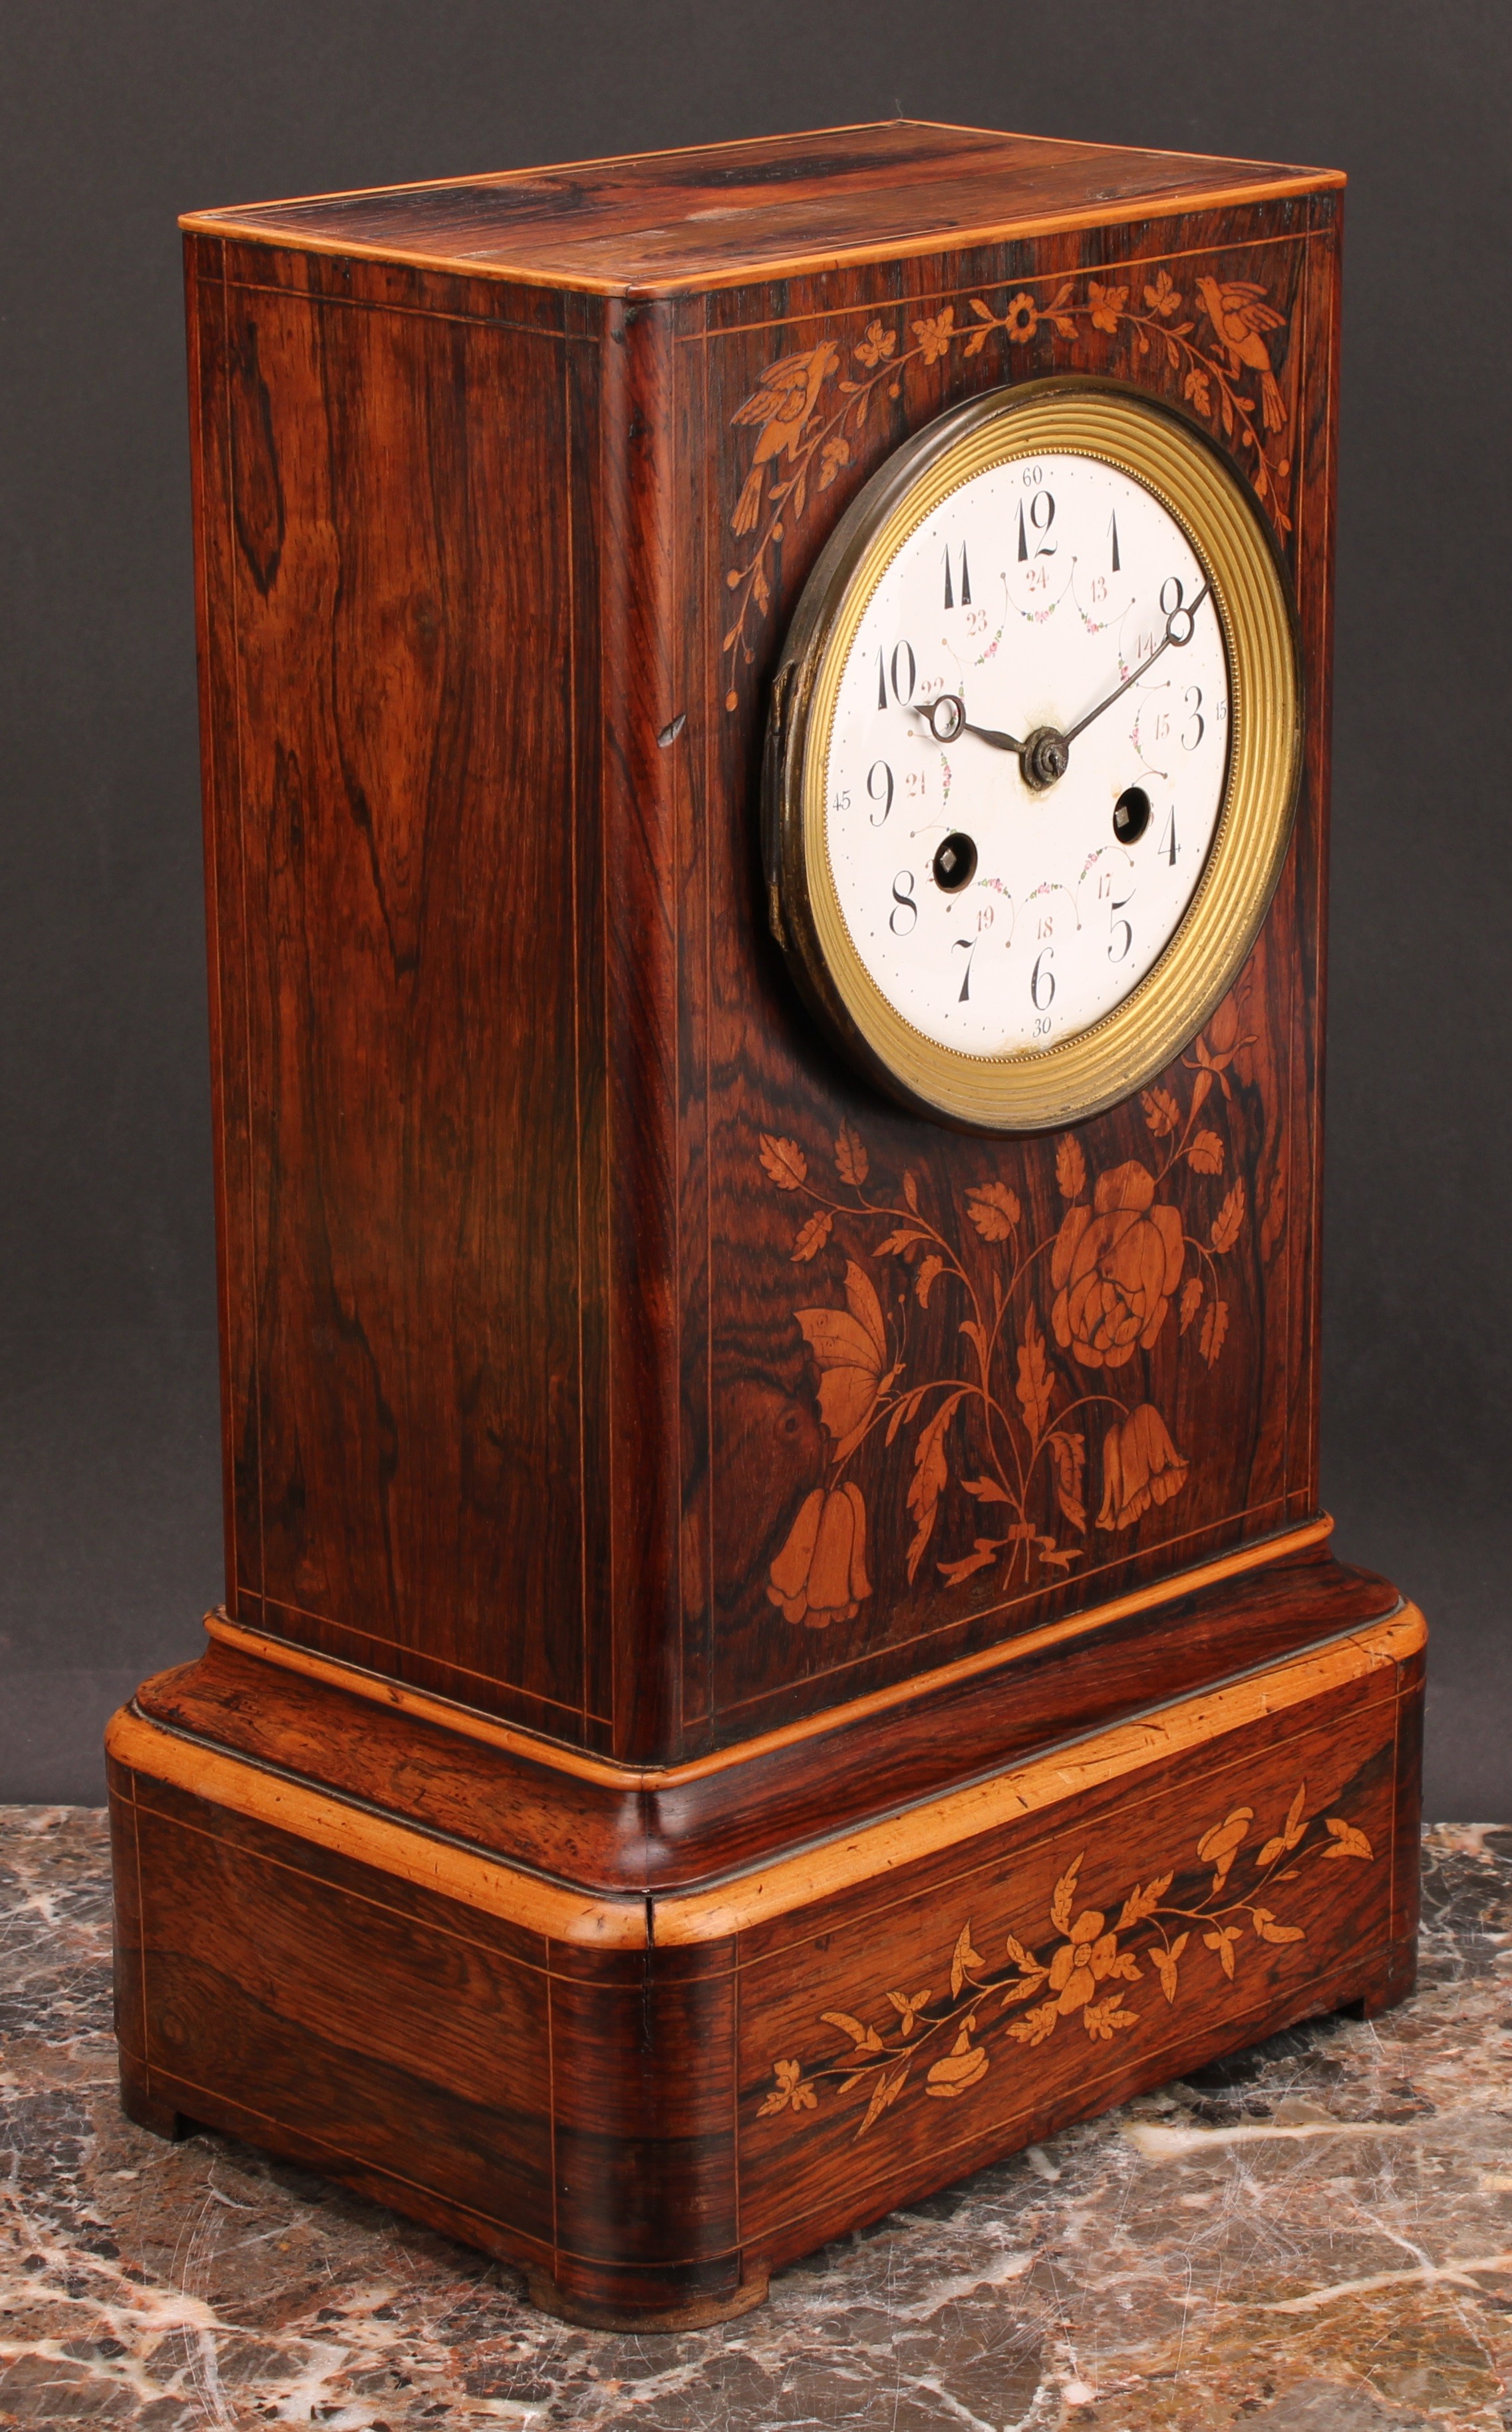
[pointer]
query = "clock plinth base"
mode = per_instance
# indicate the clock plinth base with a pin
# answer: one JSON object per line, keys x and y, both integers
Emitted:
{"x": 651, "y": 2036}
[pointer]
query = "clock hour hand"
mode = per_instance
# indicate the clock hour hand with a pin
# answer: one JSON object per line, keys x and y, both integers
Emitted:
{"x": 1180, "y": 626}
{"x": 945, "y": 718}
{"x": 1042, "y": 758}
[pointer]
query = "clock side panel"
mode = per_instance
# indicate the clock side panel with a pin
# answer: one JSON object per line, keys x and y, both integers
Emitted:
{"x": 398, "y": 563}
{"x": 902, "y": 1439}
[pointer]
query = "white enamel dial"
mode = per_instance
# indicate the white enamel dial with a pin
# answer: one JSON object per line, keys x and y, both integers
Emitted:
{"x": 1055, "y": 604}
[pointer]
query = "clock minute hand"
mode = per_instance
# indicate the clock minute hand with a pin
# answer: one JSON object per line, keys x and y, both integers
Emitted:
{"x": 1175, "y": 639}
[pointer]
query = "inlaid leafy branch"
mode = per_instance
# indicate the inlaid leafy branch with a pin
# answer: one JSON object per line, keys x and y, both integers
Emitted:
{"x": 1002, "y": 1425}
{"x": 1078, "y": 1976}
{"x": 1203, "y": 1152}
{"x": 809, "y": 418}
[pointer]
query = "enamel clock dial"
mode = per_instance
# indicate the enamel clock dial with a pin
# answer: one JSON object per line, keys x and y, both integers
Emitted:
{"x": 1034, "y": 749}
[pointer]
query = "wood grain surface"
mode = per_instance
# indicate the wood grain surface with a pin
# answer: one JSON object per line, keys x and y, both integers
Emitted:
{"x": 721, "y": 213}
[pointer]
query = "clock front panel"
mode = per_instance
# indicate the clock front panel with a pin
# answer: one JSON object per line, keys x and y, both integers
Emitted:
{"x": 940, "y": 1389}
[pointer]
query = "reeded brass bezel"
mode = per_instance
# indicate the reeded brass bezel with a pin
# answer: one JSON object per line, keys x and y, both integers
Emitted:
{"x": 1034, "y": 1090}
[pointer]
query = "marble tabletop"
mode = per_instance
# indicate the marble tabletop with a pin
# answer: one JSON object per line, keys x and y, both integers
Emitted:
{"x": 1315, "y": 2236}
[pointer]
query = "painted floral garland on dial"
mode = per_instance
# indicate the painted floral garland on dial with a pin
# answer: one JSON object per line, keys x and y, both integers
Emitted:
{"x": 1125, "y": 1262}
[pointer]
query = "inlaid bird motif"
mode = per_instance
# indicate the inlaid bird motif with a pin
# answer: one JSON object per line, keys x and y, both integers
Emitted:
{"x": 781, "y": 405}
{"x": 1238, "y": 313}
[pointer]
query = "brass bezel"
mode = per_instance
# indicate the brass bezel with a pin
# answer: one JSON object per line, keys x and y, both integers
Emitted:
{"x": 1033, "y": 1090}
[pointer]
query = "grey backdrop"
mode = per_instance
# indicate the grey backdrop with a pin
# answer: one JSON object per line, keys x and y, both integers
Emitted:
{"x": 113, "y": 119}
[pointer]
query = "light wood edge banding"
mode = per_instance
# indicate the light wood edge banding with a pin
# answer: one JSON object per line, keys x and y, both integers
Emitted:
{"x": 516, "y": 1741}
{"x": 767, "y": 1891}
{"x": 242, "y": 1787}
{"x": 739, "y": 143}
{"x": 1067, "y": 1773}
{"x": 1090, "y": 143}
{"x": 1286, "y": 181}
{"x": 633, "y": 288}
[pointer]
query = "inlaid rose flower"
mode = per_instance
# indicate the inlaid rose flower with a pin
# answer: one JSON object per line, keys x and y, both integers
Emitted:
{"x": 1084, "y": 1960}
{"x": 1114, "y": 1267}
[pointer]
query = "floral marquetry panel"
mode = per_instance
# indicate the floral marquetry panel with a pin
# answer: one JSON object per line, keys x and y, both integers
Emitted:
{"x": 965, "y": 1376}
{"x": 937, "y": 1389}
{"x": 1117, "y": 1263}
{"x": 967, "y": 2004}
{"x": 1215, "y": 345}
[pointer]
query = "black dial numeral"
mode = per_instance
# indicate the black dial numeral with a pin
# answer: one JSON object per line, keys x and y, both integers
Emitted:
{"x": 1181, "y": 620}
{"x": 901, "y": 669}
{"x": 903, "y": 902}
{"x": 952, "y": 597}
{"x": 881, "y": 792}
{"x": 1036, "y": 526}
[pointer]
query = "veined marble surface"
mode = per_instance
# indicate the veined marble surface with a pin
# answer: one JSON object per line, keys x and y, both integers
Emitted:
{"x": 1316, "y": 2237}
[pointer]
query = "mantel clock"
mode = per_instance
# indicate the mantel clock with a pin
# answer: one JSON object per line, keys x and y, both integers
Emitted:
{"x": 766, "y": 749}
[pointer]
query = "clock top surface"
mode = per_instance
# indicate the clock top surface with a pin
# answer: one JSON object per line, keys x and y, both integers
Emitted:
{"x": 718, "y": 215}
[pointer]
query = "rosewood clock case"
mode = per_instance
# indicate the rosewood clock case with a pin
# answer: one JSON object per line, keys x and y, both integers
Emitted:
{"x": 618, "y": 1820}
